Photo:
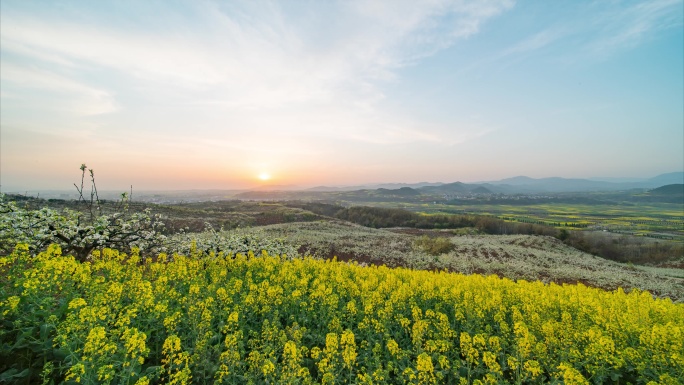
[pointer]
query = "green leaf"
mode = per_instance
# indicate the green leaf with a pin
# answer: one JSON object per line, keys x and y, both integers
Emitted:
{"x": 13, "y": 374}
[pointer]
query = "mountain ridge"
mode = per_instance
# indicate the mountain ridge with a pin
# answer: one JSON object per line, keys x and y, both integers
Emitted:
{"x": 524, "y": 184}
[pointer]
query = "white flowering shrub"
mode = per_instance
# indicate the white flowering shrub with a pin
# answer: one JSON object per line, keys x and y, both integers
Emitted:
{"x": 77, "y": 233}
{"x": 80, "y": 234}
{"x": 228, "y": 243}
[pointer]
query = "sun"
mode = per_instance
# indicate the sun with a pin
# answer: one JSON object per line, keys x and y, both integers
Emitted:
{"x": 264, "y": 176}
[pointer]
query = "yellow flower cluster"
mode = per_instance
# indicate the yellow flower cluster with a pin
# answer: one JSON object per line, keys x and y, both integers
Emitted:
{"x": 266, "y": 319}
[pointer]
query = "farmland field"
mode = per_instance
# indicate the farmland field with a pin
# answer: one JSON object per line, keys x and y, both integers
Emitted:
{"x": 657, "y": 220}
{"x": 512, "y": 256}
{"x": 289, "y": 295}
{"x": 265, "y": 319}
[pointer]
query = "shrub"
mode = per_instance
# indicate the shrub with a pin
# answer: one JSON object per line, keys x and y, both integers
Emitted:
{"x": 434, "y": 245}
{"x": 77, "y": 233}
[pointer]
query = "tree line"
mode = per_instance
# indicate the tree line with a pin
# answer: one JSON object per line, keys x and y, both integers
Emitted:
{"x": 623, "y": 248}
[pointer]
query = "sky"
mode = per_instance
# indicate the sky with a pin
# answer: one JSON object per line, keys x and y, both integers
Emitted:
{"x": 173, "y": 95}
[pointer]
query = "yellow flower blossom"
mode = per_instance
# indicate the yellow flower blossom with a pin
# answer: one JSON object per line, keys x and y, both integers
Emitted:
{"x": 348, "y": 343}
{"x": 572, "y": 376}
{"x": 393, "y": 347}
{"x": 12, "y": 303}
{"x": 267, "y": 368}
{"x": 75, "y": 372}
{"x": 268, "y": 319}
{"x": 77, "y": 303}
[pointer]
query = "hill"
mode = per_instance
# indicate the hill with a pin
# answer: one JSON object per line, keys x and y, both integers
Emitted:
{"x": 516, "y": 257}
{"x": 400, "y": 192}
{"x": 327, "y": 231}
{"x": 515, "y": 185}
{"x": 668, "y": 178}
{"x": 670, "y": 189}
{"x": 671, "y": 193}
{"x": 524, "y": 184}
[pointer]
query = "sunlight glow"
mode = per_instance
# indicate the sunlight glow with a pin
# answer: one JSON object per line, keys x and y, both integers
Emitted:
{"x": 264, "y": 176}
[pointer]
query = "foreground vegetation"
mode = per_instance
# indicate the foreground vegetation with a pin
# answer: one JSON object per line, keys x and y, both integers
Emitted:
{"x": 265, "y": 319}
{"x": 190, "y": 303}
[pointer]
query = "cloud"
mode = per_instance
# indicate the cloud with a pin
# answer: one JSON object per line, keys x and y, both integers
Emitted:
{"x": 629, "y": 27}
{"x": 402, "y": 32}
{"x": 145, "y": 57}
{"x": 249, "y": 58}
{"x": 598, "y": 29}
{"x": 82, "y": 99}
{"x": 535, "y": 42}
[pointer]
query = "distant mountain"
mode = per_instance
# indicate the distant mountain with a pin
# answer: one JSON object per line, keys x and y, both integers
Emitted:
{"x": 481, "y": 190}
{"x": 617, "y": 180}
{"x": 670, "y": 189}
{"x": 669, "y": 178}
{"x": 404, "y": 191}
{"x": 671, "y": 193}
{"x": 325, "y": 189}
{"x": 515, "y": 185}
{"x": 394, "y": 186}
{"x": 456, "y": 188}
{"x": 524, "y": 184}
{"x": 449, "y": 188}
{"x": 388, "y": 186}
{"x": 517, "y": 181}
{"x": 556, "y": 184}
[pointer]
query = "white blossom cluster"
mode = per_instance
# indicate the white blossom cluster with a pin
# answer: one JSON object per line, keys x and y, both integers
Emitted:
{"x": 77, "y": 233}
{"x": 229, "y": 243}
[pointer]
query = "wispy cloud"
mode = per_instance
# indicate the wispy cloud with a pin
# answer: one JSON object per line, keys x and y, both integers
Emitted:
{"x": 625, "y": 28}
{"x": 599, "y": 29}
{"x": 250, "y": 58}
{"x": 535, "y": 42}
{"x": 63, "y": 93}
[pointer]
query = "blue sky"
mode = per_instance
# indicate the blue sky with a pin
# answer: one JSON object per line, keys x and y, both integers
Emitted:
{"x": 202, "y": 94}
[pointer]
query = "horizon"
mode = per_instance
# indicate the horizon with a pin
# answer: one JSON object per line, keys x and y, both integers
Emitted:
{"x": 237, "y": 95}
{"x": 372, "y": 185}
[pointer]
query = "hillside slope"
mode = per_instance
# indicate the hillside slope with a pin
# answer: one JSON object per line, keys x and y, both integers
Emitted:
{"x": 513, "y": 256}
{"x": 670, "y": 189}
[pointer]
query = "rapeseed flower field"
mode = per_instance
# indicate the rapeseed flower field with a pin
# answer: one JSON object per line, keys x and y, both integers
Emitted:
{"x": 262, "y": 319}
